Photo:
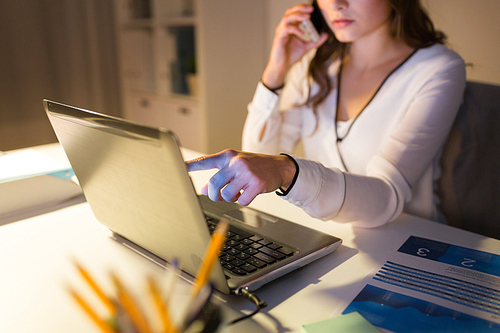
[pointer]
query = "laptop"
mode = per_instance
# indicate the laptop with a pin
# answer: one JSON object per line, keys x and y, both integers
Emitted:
{"x": 137, "y": 184}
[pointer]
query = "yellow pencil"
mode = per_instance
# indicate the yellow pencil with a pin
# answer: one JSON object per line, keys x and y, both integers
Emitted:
{"x": 161, "y": 307}
{"x": 211, "y": 255}
{"x": 130, "y": 307}
{"x": 105, "y": 299}
{"x": 103, "y": 325}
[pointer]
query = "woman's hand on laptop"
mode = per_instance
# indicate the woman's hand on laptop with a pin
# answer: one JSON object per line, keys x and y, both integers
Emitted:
{"x": 243, "y": 175}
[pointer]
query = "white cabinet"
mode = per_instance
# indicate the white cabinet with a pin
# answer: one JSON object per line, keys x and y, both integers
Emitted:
{"x": 146, "y": 110}
{"x": 185, "y": 119}
{"x": 137, "y": 66}
{"x": 191, "y": 66}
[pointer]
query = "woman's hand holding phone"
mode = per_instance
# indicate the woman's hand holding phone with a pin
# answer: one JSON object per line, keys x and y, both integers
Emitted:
{"x": 290, "y": 44}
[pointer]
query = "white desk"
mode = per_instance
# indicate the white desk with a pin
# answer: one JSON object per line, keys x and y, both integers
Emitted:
{"x": 35, "y": 263}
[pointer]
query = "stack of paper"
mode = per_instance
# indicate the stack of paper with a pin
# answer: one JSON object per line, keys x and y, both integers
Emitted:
{"x": 31, "y": 181}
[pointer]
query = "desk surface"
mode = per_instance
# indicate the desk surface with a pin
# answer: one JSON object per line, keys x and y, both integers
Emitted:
{"x": 36, "y": 254}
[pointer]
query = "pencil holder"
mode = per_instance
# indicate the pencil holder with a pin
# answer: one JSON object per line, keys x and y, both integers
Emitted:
{"x": 208, "y": 320}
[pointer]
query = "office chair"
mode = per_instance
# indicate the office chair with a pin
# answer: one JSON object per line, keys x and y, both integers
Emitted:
{"x": 470, "y": 183}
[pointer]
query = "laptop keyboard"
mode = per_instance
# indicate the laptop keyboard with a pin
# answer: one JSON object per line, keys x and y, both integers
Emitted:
{"x": 245, "y": 252}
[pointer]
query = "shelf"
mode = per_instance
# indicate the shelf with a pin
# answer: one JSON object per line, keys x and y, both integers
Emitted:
{"x": 182, "y": 63}
{"x": 169, "y": 48}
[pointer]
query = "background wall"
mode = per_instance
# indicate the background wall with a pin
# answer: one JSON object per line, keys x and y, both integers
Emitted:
{"x": 64, "y": 50}
{"x": 473, "y": 30}
{"x": 56, "y": 49}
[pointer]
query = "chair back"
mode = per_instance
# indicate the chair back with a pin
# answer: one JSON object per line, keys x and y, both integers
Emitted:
{"x": 470, "y": 183}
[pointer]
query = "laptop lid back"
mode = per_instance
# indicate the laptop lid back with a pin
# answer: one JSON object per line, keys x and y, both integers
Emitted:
{"x": 136, "y": 182}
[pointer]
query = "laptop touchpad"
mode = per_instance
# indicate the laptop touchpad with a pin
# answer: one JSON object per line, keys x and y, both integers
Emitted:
{"x": 250, "y": 217}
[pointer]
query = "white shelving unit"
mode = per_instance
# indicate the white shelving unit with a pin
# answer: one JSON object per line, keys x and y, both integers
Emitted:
{"x": 191, "y": 66}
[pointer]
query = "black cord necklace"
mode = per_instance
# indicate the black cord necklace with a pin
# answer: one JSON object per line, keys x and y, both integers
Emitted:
{"x": 337, "y": 116}
{"x": 363, "y": 109}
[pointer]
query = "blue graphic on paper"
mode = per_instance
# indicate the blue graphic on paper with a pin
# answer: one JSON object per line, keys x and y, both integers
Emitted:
{"x": 62, "y": 174}
{"x": 480, "y": 261}
{"x": 401, "y": 313}
{"x": 451, "y": 289}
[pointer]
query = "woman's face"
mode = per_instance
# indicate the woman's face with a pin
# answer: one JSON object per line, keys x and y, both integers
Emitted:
{"x": 351, "y": 20}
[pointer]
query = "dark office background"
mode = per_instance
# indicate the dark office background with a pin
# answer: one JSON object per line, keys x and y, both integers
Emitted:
{"x": 57, "y": 49}
{"x": 65, "y": 50}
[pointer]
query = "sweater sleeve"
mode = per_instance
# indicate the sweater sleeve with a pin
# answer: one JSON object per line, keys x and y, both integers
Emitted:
{"x": 274, "y": 120}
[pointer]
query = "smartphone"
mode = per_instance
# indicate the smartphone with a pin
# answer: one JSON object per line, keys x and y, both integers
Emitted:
{"x": 314, "y": 25}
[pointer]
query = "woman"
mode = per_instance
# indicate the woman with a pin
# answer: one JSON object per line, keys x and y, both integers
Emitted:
{"x": 372, "y": 103}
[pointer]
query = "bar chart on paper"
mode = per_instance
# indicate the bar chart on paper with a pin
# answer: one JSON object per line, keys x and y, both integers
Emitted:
{"x": 430, "y": 285}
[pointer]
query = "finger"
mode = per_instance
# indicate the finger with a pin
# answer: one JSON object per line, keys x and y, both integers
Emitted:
{"x": 294, "y": 30}
{"x": 217, "y": 182}
{"x": 251, "y": 191}
{"x": 297, "y": 13}
{"x": 295, "y": 18}
{"x": 323, "y": 37}
{"x": 232, "y": 191}
{"x": 300, "y": 8}
{"x": 207, "y": 162}
{"x": 204, "y": 190}
{"x": 248, "y": 195}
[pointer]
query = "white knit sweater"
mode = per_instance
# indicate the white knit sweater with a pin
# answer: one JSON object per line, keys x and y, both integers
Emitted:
{"x": 391, "y": 150}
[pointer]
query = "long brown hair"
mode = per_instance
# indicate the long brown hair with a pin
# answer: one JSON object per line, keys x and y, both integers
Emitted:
{"x": 409, "y": 22}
